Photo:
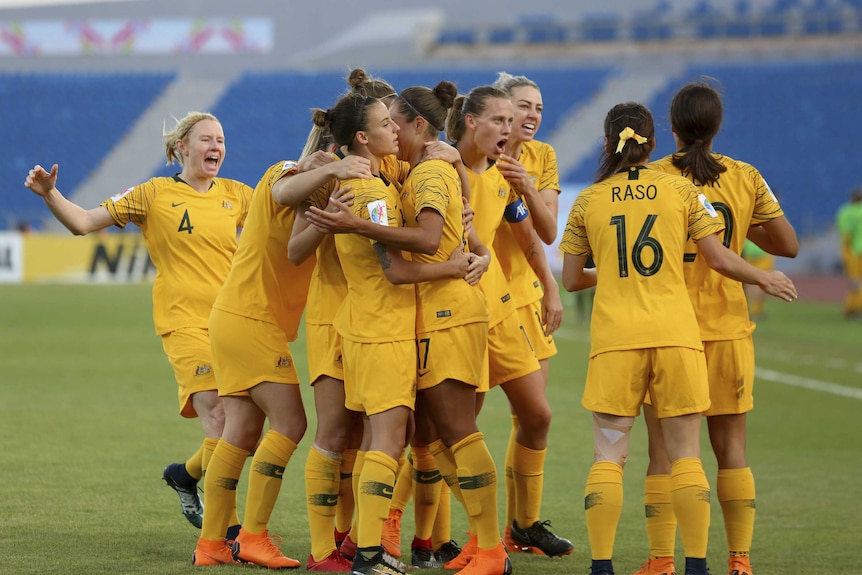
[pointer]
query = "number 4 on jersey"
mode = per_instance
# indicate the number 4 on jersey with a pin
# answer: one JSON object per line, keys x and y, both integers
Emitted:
{"x": 186, "y": 223}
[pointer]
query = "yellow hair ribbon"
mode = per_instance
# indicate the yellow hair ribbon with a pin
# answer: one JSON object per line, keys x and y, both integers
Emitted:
{"x": 626, "y": 135}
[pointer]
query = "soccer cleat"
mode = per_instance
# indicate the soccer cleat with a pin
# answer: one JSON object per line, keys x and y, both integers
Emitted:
{"x": 466, "y": 554}
{"x": 209, "y": 553}
{"x": 391, "y": 536}
{"x": 421, "y": 554}
{"x": 657, "y": 566}
{"x": 540, "y": 539}
{"x": 513, "y": 546}
{"x": 261, "y": 550}
{"x": 192, "y": 506}
{"x": 347, "y": 548}
{"x": 374, "y": 564}
{"x": 334, "y": 563}
{"x": 447, "y": 552}
{"x": 739, "y": 566}
{"x": 489, "y": 562}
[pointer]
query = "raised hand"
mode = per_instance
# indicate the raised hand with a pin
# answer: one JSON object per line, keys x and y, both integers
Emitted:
{"x": 40, "y": 181}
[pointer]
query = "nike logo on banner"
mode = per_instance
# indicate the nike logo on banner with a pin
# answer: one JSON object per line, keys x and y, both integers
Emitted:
{"x": 176, "y": 204}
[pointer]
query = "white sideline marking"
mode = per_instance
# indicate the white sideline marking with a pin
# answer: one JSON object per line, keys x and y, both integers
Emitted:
{"x": 807, "y": 383}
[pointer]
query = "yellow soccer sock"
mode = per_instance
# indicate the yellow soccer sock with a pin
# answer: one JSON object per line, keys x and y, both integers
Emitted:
{"x": 374, "y": 497}
{"x": 603, "y": 503}
{"x": 220, "y": 482}
{"x": 477, "y": 477}
{"x": 511, "y": 492}
{"x": 403, "y": 483}
{"x": 689, "y": 492}
{"x": 346, "y": 502}
{"x": 194, "y": 464}
{"x": 735, "y": 488}
{"x": 449, "y": 470}
{"x": 427, "y": 482}
{"x": 322, "y": 471}
{"x": 660, "y": 519}
{"x": 264, "y": 479}
{"x": 207, "y": 449}
{"x": 442, "y": 531}
{"x": 354, "y": 482}
{"x": 528, "y": 470}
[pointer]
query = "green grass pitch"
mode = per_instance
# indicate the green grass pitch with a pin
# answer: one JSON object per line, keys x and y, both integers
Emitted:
{"x": 88, "y": 419}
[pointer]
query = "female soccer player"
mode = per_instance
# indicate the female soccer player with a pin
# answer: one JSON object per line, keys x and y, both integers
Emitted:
{"x": 479, "y": 124}
{"x": 644, "y": 333}
{"x": 377, "y": 319}
{"x": 747, "y": 206}
{"x": 530, "y": 166}
{"x": 189, "y": 223}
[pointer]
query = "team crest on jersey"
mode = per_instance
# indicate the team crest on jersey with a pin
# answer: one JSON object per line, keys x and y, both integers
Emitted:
{"x": 284, "y": 362}
{"x": 377, "y": 212}
{"x": 707, "y": 206}
{"x": 203, "y": 370}
{"x": 121, "y": 195}
{"x": 502, "y": 193}
{"x": 227, "y": 205}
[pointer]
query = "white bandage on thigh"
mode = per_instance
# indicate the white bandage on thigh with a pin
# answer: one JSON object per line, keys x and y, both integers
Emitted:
{"x": 611, "y": 436}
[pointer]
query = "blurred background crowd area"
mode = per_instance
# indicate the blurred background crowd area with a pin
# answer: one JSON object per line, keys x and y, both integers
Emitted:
{"x": 91, "y": 86}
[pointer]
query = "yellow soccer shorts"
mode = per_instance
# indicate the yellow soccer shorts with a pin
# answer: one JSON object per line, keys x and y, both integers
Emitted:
{"x": 510, "y": 355}
{"x": 675, "y": 378}
{"x": 323, "y": 347}
{"x": 247, "y": 352}
{"x": 454, "y": 353}
{"x": 379, "y": 376}
{"x": 191, "y": 357}
{"x": 531, "y": 318}
{"x": 730, "y": 365}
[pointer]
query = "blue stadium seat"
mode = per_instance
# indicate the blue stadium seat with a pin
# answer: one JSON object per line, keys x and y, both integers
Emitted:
{"x": 70, "y": 119}
{"x": 457, "y": 37}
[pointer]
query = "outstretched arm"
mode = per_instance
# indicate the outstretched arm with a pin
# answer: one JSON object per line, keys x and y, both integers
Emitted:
{"x": 401, "y": 271}
{"x": 727, "y": 263}
{"x": 76, "y": 219}
{"x": 297, "y": 188}
{"x": 340, "y": 219}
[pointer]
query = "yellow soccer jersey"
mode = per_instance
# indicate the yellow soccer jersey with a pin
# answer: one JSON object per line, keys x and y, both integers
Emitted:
{"x": 635, "y": 224}
{"x": 191, "y": 238}
{"x": 540, "y": 161}
{"x": 328, "y": 288}
{"x": 742, "y": 198}
{"x": 262, "y": 283}
{"x": 490, "y": 197}
{"x": 449, "y": 302}
{"x": 375, "y": 310}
